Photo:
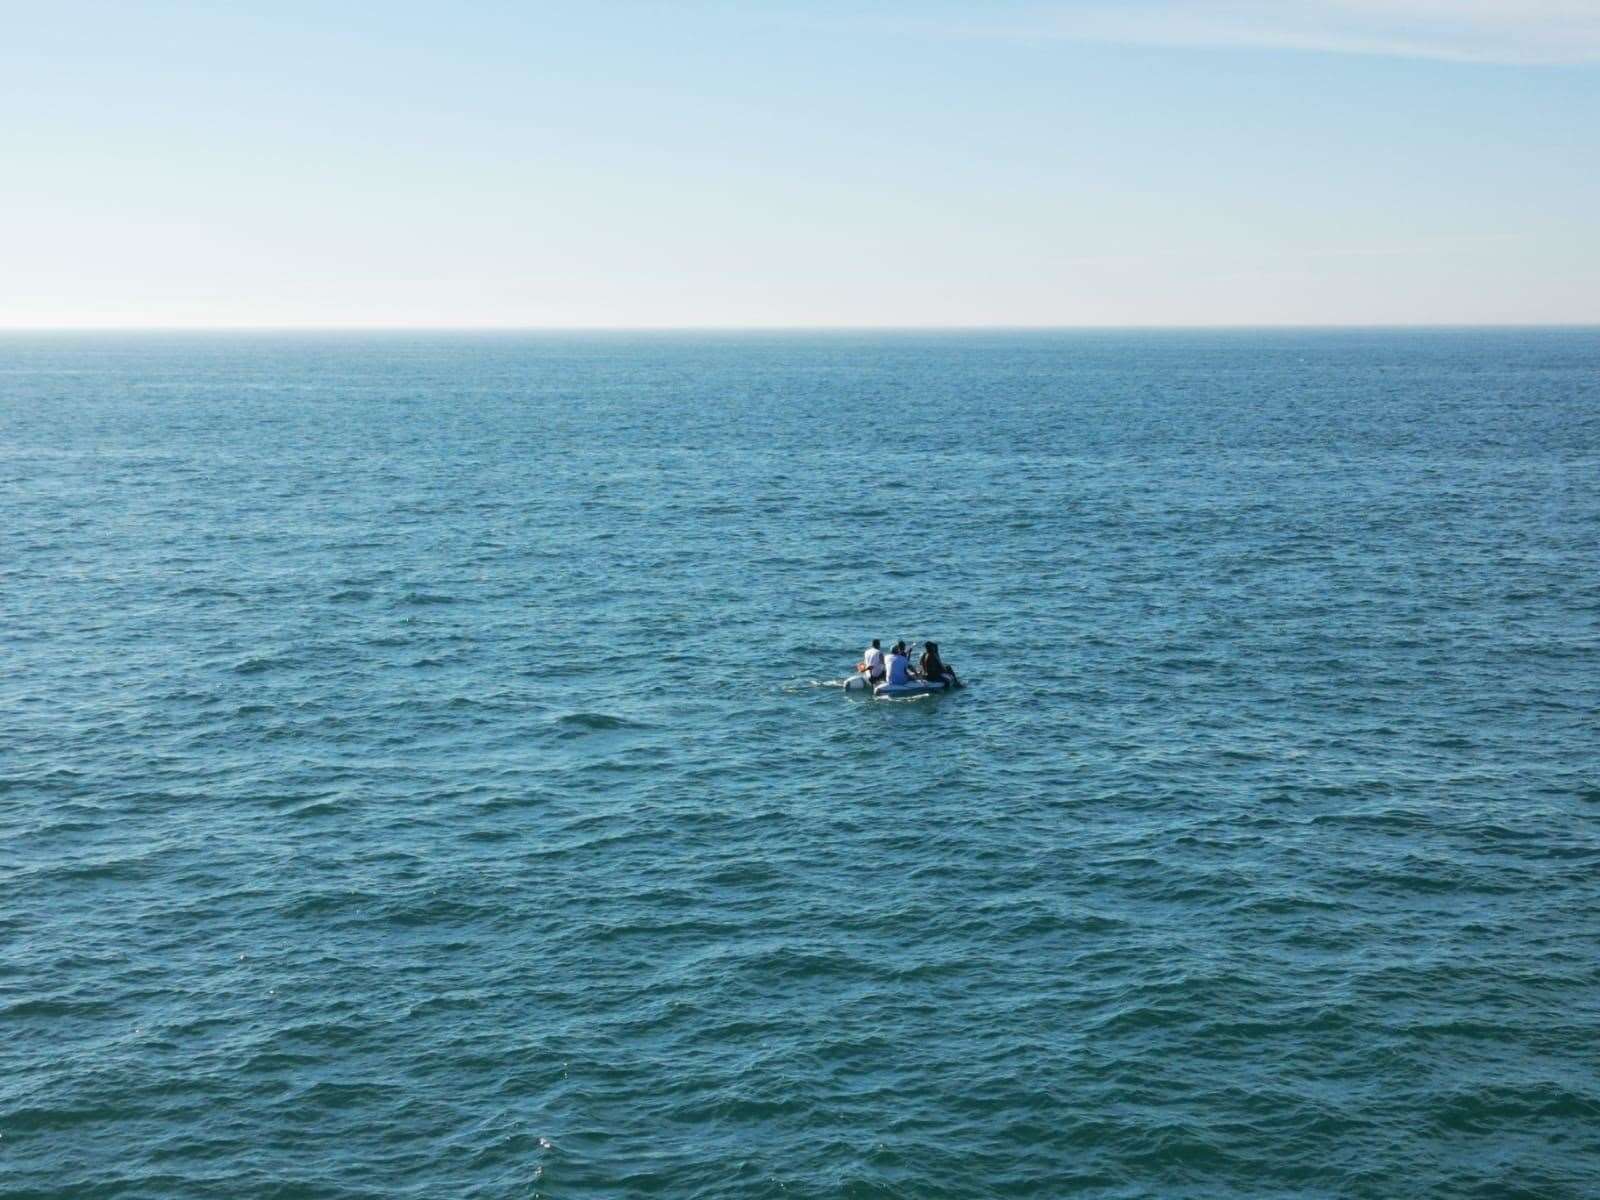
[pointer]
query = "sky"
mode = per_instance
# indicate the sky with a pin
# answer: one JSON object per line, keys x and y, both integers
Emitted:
{"x": 785, "y": 164}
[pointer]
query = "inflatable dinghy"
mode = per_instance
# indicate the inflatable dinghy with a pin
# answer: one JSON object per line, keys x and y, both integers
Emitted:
{"x": 911, "y": 687}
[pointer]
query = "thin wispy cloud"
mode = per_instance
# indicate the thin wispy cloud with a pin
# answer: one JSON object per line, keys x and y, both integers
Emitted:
{"x": 1550, "y": 32}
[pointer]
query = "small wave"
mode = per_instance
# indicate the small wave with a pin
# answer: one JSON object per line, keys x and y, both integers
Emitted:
{"x": 594, "y": 722}
{"x": 314, "y": 808}
{"x": 258, "y": 664}
{"x": 335, "y": 1095}
{"x": 325, "y": 904}
{"x": 54, "y": 1007}
{"x": 1389, "y": 818}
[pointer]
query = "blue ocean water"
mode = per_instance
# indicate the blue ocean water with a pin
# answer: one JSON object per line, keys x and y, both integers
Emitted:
{"x": 423, "y": 771}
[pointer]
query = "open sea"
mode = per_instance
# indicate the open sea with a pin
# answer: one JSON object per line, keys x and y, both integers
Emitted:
{"x": 424, "y": 771}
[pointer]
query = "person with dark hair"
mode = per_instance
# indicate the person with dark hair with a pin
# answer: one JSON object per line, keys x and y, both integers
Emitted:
{"x": 899, "y": 666}
{"x": 872, "y": 663}
{"x": 932, "y": 668}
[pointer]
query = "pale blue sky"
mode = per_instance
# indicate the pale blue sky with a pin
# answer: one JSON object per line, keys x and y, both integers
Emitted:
{"x": 1148, "y": 162}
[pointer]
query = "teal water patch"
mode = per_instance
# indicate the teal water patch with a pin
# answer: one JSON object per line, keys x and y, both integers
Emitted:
{"x": 424, "y": 768}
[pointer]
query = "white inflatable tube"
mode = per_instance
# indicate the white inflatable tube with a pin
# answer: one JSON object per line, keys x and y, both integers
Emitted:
{"x": 914, "y": 687}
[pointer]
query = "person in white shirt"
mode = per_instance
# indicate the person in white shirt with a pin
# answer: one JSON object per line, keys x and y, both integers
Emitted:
{"x": 872, "y": 663}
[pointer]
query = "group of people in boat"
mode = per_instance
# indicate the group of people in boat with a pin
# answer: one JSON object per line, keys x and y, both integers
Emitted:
{"x": 895, "y": 666}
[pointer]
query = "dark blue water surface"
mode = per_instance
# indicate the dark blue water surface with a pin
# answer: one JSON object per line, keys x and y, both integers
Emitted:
{"x": 423, "y": 771}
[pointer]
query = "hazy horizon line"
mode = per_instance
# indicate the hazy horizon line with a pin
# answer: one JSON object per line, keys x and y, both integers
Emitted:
{"x": 8, "y": 330}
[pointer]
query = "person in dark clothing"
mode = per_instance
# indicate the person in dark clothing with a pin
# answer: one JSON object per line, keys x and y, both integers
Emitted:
{"x": 932, "y": 668}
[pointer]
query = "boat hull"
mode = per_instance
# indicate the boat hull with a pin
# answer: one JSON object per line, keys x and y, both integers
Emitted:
{"x": 915, "y": 687}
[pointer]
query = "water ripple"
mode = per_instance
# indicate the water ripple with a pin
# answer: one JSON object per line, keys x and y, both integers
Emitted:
{"x": 423, "y": 767}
